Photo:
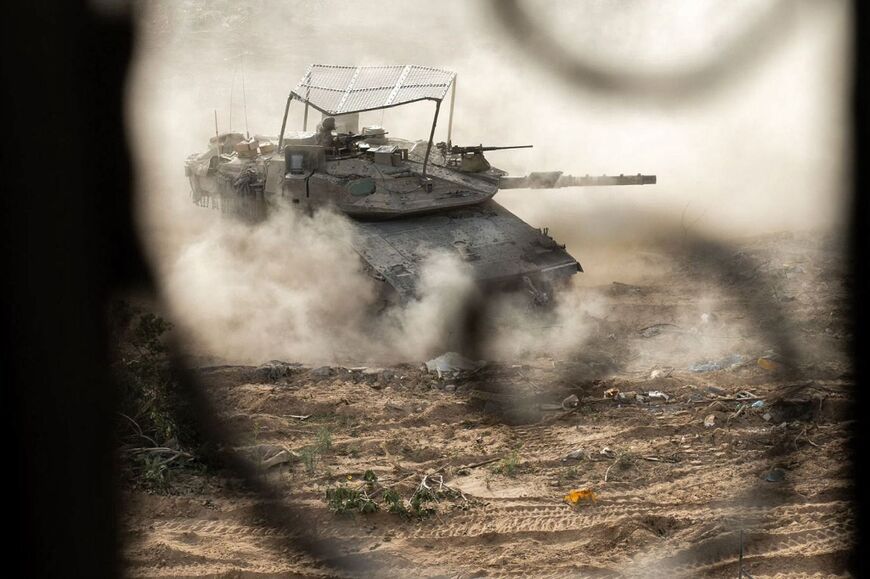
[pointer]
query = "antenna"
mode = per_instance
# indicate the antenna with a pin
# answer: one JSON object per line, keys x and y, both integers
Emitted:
{"x": 217, "y": 134}
{"x": 232, "y": 86}
{"x": 245, "y": 96}
{"x": 450, "y": 119}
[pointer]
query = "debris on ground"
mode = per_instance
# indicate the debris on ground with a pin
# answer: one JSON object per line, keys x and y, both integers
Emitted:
{"x": 658, "y": 395}
{"x": 710, "y": 421}
{"x": 578, "y": 454}
{"x": 576, "y": 496}
{"x": 452, "y": 362}
{"x": 570, "y": 402}
{"x": 611, "y": 393}
{"x": 627, "y": 396}
{"x": 268, "y": 455}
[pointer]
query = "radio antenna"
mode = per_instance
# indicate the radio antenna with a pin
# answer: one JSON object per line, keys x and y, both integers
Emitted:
{"x": 245, "y": 97}
{"x": 232, "y": 86}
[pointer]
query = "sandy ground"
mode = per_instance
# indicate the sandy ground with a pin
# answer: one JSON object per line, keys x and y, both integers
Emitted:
{"x": 673, "y": 494}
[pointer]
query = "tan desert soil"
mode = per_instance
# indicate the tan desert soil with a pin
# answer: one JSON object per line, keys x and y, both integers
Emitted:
{"x": 673, "y": 495}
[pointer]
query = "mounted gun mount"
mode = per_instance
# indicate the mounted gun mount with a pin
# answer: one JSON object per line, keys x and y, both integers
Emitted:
{"x": 469, "y": 159}
{"x": 404, "y": 201}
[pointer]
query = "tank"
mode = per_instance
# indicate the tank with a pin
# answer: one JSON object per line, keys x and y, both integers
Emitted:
{"x": 405, "y": 198}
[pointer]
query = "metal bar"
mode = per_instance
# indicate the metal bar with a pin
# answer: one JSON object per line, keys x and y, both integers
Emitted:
{"x": 348, "y": 89}
{"x": 305, "y": 118}
{"x": 450, "y": 118}
{"x": 284, "y": 122}
{"x": 398, "y": 85}
{"x": 431, "y": 136}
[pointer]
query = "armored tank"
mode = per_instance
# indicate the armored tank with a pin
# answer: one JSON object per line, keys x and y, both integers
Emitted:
{"x": 405, "y": 198}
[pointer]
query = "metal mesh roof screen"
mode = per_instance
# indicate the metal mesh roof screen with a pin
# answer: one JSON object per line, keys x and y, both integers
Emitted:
{"x": 337, "y": 90}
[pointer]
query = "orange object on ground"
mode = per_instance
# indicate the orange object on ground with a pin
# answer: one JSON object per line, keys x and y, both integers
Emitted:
{"x": 577, "y": 495}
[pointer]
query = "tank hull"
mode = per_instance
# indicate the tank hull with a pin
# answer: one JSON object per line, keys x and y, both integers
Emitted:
{"x": 499, "y": 249}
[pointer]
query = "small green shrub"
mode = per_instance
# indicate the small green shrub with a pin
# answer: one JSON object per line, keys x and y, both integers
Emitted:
{"x": 308, "y": 456}
{"x": 419, "y": 505}
{"x": 324, "y": 440}
{"x": 344, "y": 500}
{"x": 509, "y": 465}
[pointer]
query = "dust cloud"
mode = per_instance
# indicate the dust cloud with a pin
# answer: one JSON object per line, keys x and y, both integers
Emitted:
{"x": 764, "y": 154}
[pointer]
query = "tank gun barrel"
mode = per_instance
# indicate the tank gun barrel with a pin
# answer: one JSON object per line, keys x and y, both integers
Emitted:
{"x": 556, "y": 179}
{"x": 456, "y": 149}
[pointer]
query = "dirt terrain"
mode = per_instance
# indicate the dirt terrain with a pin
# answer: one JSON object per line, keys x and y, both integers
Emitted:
{"x": 693, "y": 435}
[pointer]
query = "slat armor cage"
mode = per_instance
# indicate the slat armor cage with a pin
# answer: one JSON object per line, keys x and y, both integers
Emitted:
{"x": 339, "y": 90}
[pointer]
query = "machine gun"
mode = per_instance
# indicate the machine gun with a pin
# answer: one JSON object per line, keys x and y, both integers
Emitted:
{"x": 470, "y": 159}
{"x": 346, "y": 141}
